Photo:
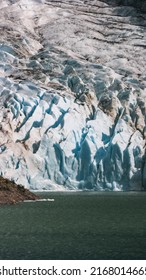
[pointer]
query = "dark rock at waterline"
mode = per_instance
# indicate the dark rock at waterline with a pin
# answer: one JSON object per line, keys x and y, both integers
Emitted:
{"x": 10, "y": 193}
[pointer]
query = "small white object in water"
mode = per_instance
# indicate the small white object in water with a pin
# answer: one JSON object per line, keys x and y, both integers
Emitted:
{"x": 41, "y": 199}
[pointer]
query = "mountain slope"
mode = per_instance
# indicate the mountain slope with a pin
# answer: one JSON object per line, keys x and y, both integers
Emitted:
{"x": 73, "y": 94}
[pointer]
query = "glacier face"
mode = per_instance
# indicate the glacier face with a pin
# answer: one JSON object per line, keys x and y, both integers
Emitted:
{"x": 72, "y": 95}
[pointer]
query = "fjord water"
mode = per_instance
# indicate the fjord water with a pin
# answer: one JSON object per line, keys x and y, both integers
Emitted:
{"x": 82, "y": 225}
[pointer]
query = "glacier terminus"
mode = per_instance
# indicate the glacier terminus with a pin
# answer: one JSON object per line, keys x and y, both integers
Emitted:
{"x": 73, "y": 94}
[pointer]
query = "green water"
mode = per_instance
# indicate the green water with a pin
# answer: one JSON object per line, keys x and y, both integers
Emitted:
{"x": 75, "y": 226}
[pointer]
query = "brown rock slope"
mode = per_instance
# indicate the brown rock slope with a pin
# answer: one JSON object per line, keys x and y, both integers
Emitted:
{"x": 10, "y": 193}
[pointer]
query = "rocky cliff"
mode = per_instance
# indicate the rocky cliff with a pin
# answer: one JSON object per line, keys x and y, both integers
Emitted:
{"x": 10, "y": 193}
{"x": 73, "y": 94}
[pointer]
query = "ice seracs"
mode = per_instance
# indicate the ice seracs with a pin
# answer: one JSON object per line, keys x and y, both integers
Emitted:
{"x": 72, "y": 99}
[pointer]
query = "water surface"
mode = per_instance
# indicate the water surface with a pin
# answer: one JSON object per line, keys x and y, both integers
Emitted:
{"x": 75, "y": 226}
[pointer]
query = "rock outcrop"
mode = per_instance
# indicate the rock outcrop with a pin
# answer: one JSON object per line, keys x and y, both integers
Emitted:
{"x": 73, "y": 94}
{"x": 140, "y": 5}
{"x": 10, "y": 193}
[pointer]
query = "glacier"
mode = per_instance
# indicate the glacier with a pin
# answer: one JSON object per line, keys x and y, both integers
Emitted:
{"x": 73, "y": 95}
